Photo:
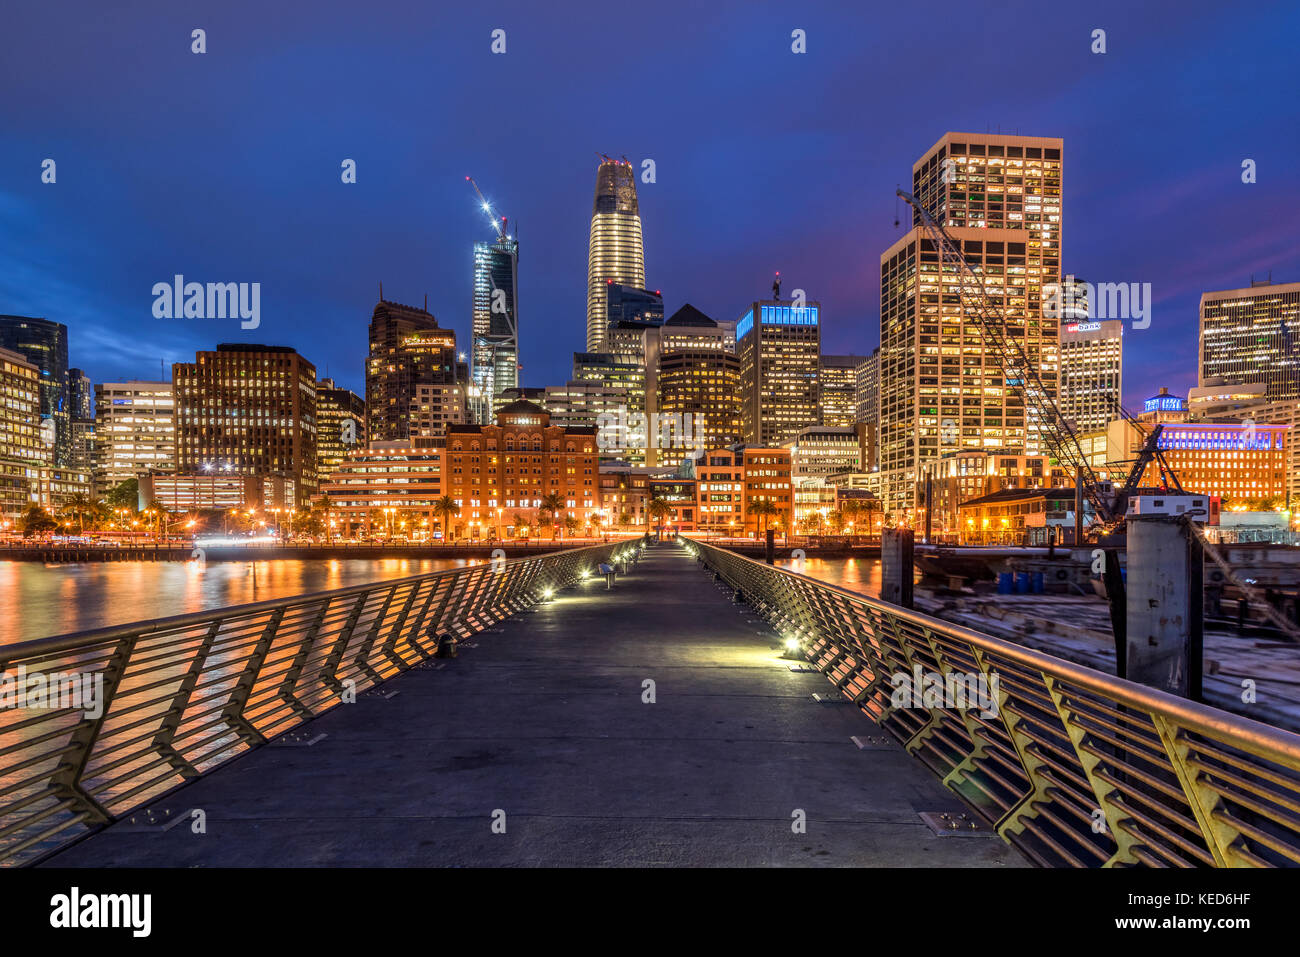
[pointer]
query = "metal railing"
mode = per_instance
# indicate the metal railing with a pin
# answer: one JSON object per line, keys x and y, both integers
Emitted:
{"x": 1073, "y": 766}
{"x": 179, "y": 696}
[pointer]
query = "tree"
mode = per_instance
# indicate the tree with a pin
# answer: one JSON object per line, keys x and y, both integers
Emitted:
{"x": 850, "y": 511}
{"x": 765, "y": 510}
{"x": 624, "y": 518}
{"x": 445, "y": 509}
{"x": 124, "y": 495}
{"x": 571, "y": 524}
{"x": 836, "y": 521}
{"x": 82, "y": 508}
{"x": 658, "y": 510}
{"x": 551, "y": 505}
{"x": 36, "y": 520}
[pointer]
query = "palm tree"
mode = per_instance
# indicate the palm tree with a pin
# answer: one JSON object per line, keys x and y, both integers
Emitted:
{"x": 82, "y": 507}
{"x": 850, "y": 509}
{"x": 322, "y": 505}
{"x": 551, "y": 505}
{"x": 764, "y": 510}
{"x": 447, "y": 508}
{"x": 658, "y": 510}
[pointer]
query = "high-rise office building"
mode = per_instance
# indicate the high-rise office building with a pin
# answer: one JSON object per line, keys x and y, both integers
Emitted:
{"x": 1252, "y": 335}
{"x": 22, "y": 451}
{"x": 135, "y": 428}
{"x": 248, "y": 410}
{"x": 692, "y": 370}
{"x": 779, "y": 346}
{"x": 615, "y": 252}
{"x": 625, "y": 303}
{"x": 1092, "y": 359}
{"x": 81, "y": 421}
{"x": 867, "y": 395}
{"x": 838, "y": 386}
{"x": 45, "y": 345}
{"x": 409, "y": 350}
{"x": 942, "y": 387}
{"x": 495, "y": 352}
{"x": 340, "y": 426}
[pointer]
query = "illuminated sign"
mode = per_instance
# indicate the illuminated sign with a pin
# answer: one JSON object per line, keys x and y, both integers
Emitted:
{"x": 1083, "y": 327}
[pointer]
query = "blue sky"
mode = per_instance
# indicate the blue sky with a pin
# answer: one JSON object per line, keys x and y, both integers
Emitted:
{"x": 225, "y": 166}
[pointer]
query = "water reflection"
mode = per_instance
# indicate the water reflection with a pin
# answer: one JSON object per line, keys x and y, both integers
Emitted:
{"x": 40, "y": 600}
{"x": 856, "y": 574}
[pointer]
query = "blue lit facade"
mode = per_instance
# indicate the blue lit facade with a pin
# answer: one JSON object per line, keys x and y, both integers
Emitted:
{"x": 779, "y": 348}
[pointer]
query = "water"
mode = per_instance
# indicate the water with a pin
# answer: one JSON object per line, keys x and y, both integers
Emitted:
{"x": 39, "y": 600}
{"x": 861, "y": 575}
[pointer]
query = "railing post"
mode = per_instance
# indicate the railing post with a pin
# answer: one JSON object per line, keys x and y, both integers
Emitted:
{"x": 172, "y": 719}
{"x": 233, "y": 712}
{"x": 66, "y": 779}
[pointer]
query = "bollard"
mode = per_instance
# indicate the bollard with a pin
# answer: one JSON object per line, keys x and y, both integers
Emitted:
{"x": 1164, "y": 604}
{"x": 446, "y": 647}
{"x": 896, "y": 566}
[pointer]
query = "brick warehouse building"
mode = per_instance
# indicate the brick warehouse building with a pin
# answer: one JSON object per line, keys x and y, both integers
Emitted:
{"x": 495, "y": 472}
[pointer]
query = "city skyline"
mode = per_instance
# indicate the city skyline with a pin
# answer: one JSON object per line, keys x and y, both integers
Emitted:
{"x": 708, "y": 216}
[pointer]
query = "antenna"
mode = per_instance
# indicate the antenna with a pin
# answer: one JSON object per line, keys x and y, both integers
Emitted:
{"x": 776, "y": 286}
{"x": 381, "y": 290}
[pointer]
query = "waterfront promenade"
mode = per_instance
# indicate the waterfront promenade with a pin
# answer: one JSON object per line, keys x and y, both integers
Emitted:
{"x": 541, "y": 723}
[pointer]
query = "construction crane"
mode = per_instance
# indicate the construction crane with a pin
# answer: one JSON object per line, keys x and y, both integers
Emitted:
{"x": 1021, "y": 375}
{"x": 499, "y": 226}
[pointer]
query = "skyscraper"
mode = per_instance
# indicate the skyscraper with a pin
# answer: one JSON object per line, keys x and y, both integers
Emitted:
{"x": 415, "y": 382}
{"x": 1252, "y": 335}
{"x": 495, "y": 365}
{"x": 248, "y": 410}
{"x": 340, "y": 425}
{"x": 1092, "y": 363}
{"x": 615, "y": 253}
{"x": 839, "y": 390}
{"x": 779, "y": 346}
{"x": 942, "y": 388}
{"x": 45, "y": 345}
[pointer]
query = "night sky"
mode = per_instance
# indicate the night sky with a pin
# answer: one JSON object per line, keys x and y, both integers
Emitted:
{"x": 226, "y": 166}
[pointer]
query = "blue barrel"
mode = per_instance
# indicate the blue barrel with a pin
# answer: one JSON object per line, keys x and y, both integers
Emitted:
{"x": 1038, "y": 583}
{"x": 1004, "y": 583}
{"x": 1022, "y": 583}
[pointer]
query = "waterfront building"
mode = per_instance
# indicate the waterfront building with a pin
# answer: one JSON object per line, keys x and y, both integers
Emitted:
{"x": 386, "y": 489}
{"x": 720, "y": 490}
{"x": 821, "y": 451}
{"x": 494, "y": 472}
{"x": 624, "y": 495}
{"x": 974, "y": 473}
{"x": 767, "y": 479}
{"x": 248, "y": 410}
{"x": 22, "y": 451}
{"x": 135, "y": 431}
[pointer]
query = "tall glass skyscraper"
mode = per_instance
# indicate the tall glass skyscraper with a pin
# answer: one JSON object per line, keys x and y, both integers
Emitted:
{"x": 495, "y": 325}
{"x": 45, "y": 345}
{"x": 615, "y": 253}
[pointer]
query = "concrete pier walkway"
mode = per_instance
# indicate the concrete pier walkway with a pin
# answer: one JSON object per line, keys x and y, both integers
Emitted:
{"x": 542, "y": 725}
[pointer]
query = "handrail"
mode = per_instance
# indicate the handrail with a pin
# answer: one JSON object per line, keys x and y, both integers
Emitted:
{"x": 105, "y": 721}
{"x": 1070, "y": 765}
